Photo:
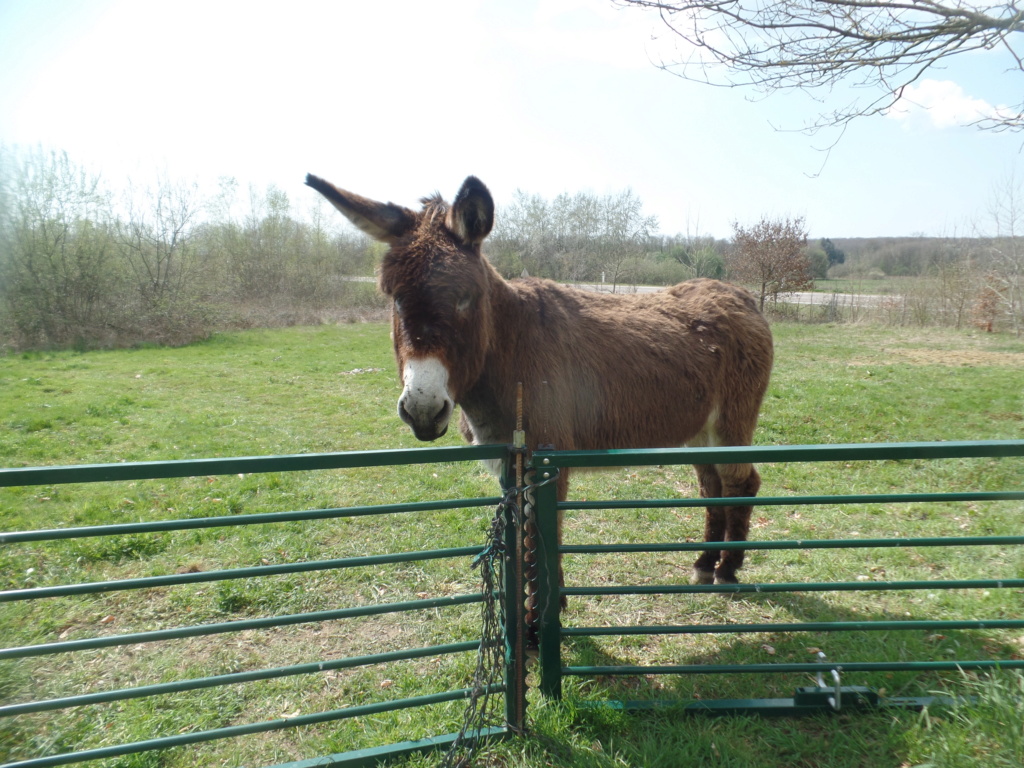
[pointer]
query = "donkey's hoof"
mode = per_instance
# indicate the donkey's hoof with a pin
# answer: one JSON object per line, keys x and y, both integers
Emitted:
{"x": 726, "y": 578}
{"x": 702, "y": 577}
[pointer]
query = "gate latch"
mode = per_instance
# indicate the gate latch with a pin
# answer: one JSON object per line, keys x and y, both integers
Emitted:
{"x": 836, "y": 702}
{"x": 834, "y": 696}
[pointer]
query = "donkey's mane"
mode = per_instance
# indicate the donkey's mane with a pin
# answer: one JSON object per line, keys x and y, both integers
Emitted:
{"x": 434, "y": 206}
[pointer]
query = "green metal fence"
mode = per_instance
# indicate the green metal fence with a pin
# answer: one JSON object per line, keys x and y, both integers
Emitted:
{"x": 830, "y": 693}
{"x": 825, "y": 695}
{"x": 203, "y": 468}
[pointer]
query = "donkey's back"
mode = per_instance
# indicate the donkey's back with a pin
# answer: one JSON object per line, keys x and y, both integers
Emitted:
{"x": 689, "y": 364}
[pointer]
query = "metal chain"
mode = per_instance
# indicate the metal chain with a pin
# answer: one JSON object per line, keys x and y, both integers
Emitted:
{"x": 483, "y": 710}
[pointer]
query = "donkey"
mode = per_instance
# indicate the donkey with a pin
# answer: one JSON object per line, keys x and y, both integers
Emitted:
{"x": 685, "y": 366}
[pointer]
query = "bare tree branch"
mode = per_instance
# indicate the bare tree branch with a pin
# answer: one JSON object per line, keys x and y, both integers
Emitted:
{"x": 813, "y": 45}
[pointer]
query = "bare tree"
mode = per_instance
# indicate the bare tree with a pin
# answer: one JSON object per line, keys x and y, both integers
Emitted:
{"x": 813, "y": 45}
{"x": 156, "y": 239}
{"x": 772, "y": 256}
{"x": 1006, "y": 252}
{"x": 575, "y": 237}
{"x": 622, "y": 237}
{"x": 524, "y": 237}
{"x": 56, "y": 252}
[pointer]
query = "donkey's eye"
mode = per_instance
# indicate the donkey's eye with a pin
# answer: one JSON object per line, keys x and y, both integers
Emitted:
{"x": 464, "y": 303}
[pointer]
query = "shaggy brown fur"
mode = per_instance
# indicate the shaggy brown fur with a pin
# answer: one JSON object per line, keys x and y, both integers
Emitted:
{"x": 688, "y": 365}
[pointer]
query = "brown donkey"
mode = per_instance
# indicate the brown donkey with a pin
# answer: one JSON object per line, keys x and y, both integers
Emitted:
{"x": 687, "y": 365}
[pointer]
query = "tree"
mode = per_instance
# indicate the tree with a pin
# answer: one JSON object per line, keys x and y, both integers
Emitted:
{"x": 835, "y": 255}
{"x": 817, "y": 262}
{"x": 1006, "y": 252}
{"x": 622, "y": 236}
{"x": 258, "y": 263}
{"x": 156, "y": 239}
{"x": 574, "y": 237}
{"x": 698, "y": 253}
{"x": 524, "y": 238}
{"x": 813, "y": 45}
{"x": 57, "y": 272}
{"x": 771, "y": 255}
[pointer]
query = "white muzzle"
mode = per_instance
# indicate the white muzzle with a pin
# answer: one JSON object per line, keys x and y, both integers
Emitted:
{"x": 425, "y": 404}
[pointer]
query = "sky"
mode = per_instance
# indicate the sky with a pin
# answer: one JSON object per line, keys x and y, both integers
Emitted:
{"x": 396, "y": 100}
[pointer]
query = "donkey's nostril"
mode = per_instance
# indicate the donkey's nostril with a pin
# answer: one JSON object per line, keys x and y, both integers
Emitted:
{"x": 444, "y": 414}
{"x": 403, "y": 414}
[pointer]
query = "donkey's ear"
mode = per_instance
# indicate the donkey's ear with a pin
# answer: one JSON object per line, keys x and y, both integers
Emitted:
{"x": 381, "y": 221}
{"x": 472, "y": 214}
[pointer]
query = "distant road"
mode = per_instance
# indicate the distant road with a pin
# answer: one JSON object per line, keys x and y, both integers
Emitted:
{"x": 609, "y": 288}
{"x": 797, "y": 297}
{"x": 866, "y": 300}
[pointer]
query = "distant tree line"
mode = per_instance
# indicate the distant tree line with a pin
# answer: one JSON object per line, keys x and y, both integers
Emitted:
{"x": 81, "y": 266}
{"x": 168, "y": 263}
{"x": 589, "y": 238}
{"x": 958, "y": 280}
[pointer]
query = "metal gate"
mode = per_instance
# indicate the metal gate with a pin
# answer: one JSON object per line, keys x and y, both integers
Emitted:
{"x": 183, "y": 733}
{"x": 830, "y": 692}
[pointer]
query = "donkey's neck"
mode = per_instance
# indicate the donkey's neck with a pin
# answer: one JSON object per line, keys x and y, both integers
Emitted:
{"x": 489, "y": 406}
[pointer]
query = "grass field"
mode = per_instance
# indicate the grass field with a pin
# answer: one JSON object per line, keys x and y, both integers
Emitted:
{"x": 334, "y": 388}
{"x": 881, "y": 286}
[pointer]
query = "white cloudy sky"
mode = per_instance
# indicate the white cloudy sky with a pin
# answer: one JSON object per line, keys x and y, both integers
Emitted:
{"x": 398, "y": 99}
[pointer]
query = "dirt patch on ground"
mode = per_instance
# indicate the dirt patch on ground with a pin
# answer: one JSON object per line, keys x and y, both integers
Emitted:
{"x": 958, "y": 357}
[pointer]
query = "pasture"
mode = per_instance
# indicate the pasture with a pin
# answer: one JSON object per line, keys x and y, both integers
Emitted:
{"x": 333, "y": 388}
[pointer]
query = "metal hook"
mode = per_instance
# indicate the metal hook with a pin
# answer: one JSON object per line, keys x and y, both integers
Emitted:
{"x": 836, "y": 702}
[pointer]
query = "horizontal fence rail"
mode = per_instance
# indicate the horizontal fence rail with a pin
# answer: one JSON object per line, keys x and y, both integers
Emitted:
{"x": 151, "y": 582}
{"x": 805, "y": 626}
{"x": 196, "y": 523}
{"x": 781, "y": 667}
{"x": 766, "y": 454}
{"x": 250, "y": 729}
{"x": 123, "y": 472}
{"x": 764, "y": 588}
{"x": 205, "y": 630}
{"x": 235, "y": 678}
{"x": 160, "y": 470}
{"x": 551, "y": 633}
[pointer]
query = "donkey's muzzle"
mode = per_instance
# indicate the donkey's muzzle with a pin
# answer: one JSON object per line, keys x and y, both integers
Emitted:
{"x": 429, "y": 428}
{"x": 425, "y": 404}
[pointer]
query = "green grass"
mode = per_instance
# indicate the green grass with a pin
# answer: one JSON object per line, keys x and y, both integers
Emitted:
{"x": 882, "y": 286}
{"x": 334, "y": 388}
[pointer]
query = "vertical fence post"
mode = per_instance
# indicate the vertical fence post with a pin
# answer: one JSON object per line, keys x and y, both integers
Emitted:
{"x": 549, "y": 628}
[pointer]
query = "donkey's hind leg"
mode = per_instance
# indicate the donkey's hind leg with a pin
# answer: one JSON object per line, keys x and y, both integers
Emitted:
{"x": 714, "y": 523}
{"x": 737, "y": 480}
